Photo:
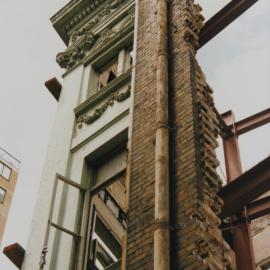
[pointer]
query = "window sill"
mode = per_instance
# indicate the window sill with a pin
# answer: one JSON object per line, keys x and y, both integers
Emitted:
{"x": 110, "y": 88}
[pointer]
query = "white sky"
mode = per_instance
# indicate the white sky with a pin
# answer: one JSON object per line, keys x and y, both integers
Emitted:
{"x": 236, "y": 63}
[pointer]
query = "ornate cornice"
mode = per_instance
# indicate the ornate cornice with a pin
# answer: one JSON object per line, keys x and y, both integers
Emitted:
{"x": 90, "y": 42}
{"x": 76, "y": 13}
{"x": 118, "y": 96}
{"x": 108, "y": 9}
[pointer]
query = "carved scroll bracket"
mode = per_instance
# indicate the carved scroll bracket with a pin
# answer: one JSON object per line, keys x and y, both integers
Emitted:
{"x": 77, "y": 51}
{"x": 87, "y": 41}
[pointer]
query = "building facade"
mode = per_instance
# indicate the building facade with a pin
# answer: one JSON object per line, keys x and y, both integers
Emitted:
{"x": 130, "y": 178}
{"x": 8, "y": 178}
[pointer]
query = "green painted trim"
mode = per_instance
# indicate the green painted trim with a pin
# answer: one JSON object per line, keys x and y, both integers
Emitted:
{"x": 101, "y": 130}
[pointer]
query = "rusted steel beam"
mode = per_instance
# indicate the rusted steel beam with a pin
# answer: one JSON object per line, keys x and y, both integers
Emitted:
{"x": 223, "y": 18}
{"x": 246, "y": 188}
{"x": 15, "y": 253}
{"x": 243, "y": 247}
{"x": 252, "y": 122}
{"x": 54, "y": 87}
{"x": 258, "y": 208}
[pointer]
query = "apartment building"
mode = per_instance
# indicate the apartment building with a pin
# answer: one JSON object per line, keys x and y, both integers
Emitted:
{"x": 9, "y": 167}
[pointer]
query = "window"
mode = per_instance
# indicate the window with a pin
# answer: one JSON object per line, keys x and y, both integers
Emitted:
{"x": 105, "y": 248}
{"x": 108, "y": 69}
{"x": 5, "y": 171}
{"x": 108, "y": 218}
{"x": 108, "y": 73}
{"x": 130, "y": 57}
{"x": 2, "y": 195}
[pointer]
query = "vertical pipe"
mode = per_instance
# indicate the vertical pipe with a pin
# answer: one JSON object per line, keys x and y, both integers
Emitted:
{"x": 162, "y": 233}
{"x": 243, "y": 246}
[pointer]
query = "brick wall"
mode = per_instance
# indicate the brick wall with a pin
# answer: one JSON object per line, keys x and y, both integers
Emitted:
{"x": 196, "y": 241}
{"x": 141, "y": 209}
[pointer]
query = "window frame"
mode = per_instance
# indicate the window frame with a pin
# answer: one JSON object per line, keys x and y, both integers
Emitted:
{"x": 94, "y": 215}
{"x": 122, "y": 55}
{"x": 5, "y": 193}
{"x": 2, "y": 172}
{"x": 93, "y": 211}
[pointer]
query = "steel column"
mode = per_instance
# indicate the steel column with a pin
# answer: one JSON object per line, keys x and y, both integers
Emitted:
{"x": 241, "y": 234}
{"x": 246, "y": 188}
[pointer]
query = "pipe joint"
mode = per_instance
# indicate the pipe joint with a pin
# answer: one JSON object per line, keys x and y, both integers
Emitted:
{"x": 163, "y": 125}
{"x": 161, "y": 53}
{"x": 162, "y": 225}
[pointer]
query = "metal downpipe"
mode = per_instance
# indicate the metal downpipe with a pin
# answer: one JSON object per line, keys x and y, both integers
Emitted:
{"x": 162, "y": 231}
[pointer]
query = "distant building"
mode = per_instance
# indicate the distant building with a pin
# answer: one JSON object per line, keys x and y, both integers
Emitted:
{"x": 8, "y": 178}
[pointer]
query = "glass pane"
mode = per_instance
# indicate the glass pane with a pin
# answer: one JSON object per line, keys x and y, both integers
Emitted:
{"x": 108, "y": 73}
{"x": 2, "y": 194}
{"x": 109, "y": 223}
{"x": 6, "y": 172}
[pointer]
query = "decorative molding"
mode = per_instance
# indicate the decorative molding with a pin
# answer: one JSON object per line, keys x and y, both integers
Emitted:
{"x": 76, "y": 14}
{"x": 109, "y": 8}
{"x": 76, "y": 19}
{"x": 103, "y": 93}
{"x": 108, "y": 34}
{"x": 117, "y": 96}
{"x": 92, "y": 42}
{"x": 76, "y": 52}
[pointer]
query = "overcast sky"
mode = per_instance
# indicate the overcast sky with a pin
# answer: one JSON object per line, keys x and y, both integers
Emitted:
{"x": 236, "y": 63}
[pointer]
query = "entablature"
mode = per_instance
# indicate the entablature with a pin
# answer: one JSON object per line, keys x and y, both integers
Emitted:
{"x": 72, "y": 15}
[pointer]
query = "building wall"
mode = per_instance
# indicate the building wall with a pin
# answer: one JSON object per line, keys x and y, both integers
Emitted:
{"x": 9, "y": 186}
{"x": 196, "y": 241}
{"x": 89, "y": 123}
{"x": 141, "y": 207}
